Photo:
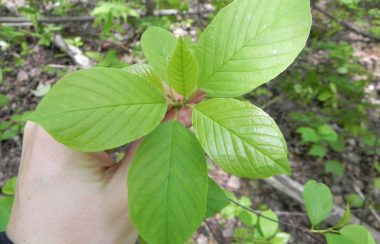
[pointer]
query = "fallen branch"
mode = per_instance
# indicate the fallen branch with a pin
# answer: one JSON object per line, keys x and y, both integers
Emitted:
{"x": 347, "y": 25}
{"x": 370, "y": 207}
{"x": 74, "y": 52}
{"x": 15, "y": 21}
{"x": 294, "y": 190}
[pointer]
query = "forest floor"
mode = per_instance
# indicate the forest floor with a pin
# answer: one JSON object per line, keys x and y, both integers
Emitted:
{"x": 45, "y": 65}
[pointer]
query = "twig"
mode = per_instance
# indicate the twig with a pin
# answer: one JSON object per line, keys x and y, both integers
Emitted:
{"x": 214, "y": 232}
{"x": 74, "y": 52}
{"x": 370, "y": 207}
{"x": 347, "y": 25}
{"x": 296, "y": 227}
{"x": 271, "y": 102}
{"x": 54, "y": 20}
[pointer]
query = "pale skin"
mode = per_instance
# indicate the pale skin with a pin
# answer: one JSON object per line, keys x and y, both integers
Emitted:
{"x": 65, "y": 196}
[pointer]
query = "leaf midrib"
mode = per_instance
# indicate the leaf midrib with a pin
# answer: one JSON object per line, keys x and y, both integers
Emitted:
{"x": 100, "y": 107}
{"x": 241, "y": 138}
{"x": 246, "y": 44}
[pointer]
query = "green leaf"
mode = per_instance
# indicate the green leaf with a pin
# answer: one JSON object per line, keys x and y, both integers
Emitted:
{"x": 6, "y": 204}
{"x": 308, "y": 134}
{"x": 251, "y": 42}
{"x": 376, "y": 183}
{"x": 167, "y": 185}
{"x": 338, "y": 239}
{"x": 100, "y": 108}
{"x": 145, "y": 71}
{"x": 8, "y": 134}
{"x": 344, "y": 220}
{"x": 1, "y": 77}
{"x": 5, "y": 125}
{"x": 3, "y": 100}
{"x": 318, "y": 201}
{"x": 334, "y": 167}
{"x": 355, "y": 200}
{"x": 9, "y": 187}
{"x": 268, "y": 227}
{"x": 327, "y": 133}
{"x": 281, "y": 238}
{"x": 317, "y": 151}
{"x": 248, "y": 218}
{"x": 158, "y": 46}
{"x": 324, "y": 96}
{"x": 183, "y": 70}
{"x": 376, "y": 166}
{"x": 240, "y": 138}
{"x": 357, "y": 234}
{"x": 216, "y": 199}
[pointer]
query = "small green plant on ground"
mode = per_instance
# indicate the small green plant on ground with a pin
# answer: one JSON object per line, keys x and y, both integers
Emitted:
{"x": 247, "y": 44}
{"x": 111, "y": 13}
{"x": 254, "y": 228}
{"x": 3, "y": 98}
{"x": 319, "y": 204}
{"x": 334, "y": 107}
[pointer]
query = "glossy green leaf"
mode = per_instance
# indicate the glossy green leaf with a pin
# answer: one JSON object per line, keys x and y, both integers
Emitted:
{"x": 216, "y": 199}
{"x": 158, "y": 46}
{"x": 251, "y": 42}
{"x": 167, "y": 185}
{"x": 318, "y": 201}
{"x": 147, "y": 72}
{"x": 100, "y": 108}
{"x": 6, "y": 204}
{"x": 240, "y": 138}
{"x": 183, "y": 70}
{"x": 268, "y": 227}
{"x": 345, "y": 219}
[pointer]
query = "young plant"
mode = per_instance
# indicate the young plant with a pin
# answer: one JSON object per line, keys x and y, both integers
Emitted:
{"x": 263, "y": 228}
{"x": 247, "y": 44}
{"x": 319, "y": 203}
{"x": 110, "y": 14}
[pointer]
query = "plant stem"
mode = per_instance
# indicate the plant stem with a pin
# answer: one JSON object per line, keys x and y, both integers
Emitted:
{"x": 303, "y": 230}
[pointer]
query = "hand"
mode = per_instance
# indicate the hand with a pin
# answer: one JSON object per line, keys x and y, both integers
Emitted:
{"x": 64, "y": 196}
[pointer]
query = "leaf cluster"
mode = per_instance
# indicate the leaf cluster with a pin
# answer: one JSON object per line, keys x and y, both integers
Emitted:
{"x": 247, "y": 44}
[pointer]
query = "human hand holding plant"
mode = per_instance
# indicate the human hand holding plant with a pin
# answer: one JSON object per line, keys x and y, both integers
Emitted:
{"x": 247, "y": 44}
{"x": 64, "y": 196}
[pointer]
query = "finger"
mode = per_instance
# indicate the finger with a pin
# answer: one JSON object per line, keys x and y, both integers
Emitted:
{"x": 43, "y": 148}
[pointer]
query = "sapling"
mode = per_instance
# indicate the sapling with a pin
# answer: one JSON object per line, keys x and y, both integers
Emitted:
{"x": 247, "y": 44}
